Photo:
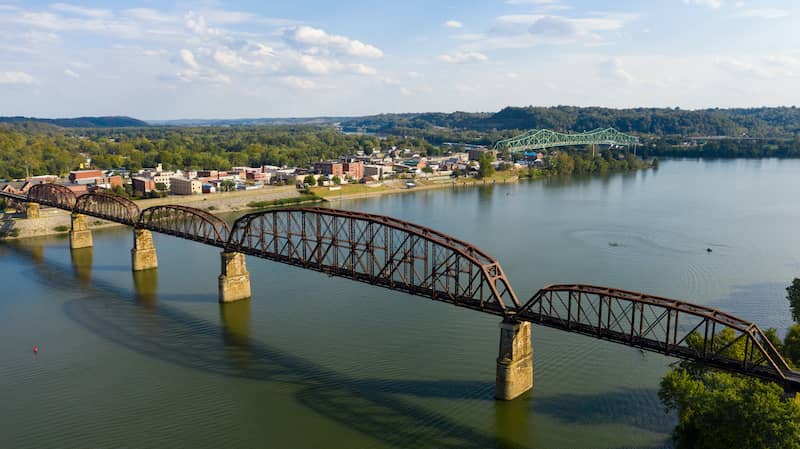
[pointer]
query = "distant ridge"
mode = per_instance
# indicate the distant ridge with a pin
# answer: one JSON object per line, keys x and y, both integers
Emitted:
{"x": 79, "y": 122}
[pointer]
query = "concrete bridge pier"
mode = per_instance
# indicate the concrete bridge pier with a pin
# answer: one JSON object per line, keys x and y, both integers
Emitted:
{"x": 32, "y": 210}
{"x": 143, "y": 254}
{"x": 79, "y": 235}
{"x": 234, "y": 282}
{"x": 515, "y": 360}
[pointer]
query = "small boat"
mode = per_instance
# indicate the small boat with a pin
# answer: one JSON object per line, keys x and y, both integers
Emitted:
{"x": 410, "y": 185}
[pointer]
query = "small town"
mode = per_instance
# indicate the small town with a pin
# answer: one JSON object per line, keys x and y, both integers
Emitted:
{"x": 367, "y": 169}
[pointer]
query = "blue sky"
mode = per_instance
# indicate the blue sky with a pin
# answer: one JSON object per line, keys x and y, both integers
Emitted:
{"x": 224, "y": 59}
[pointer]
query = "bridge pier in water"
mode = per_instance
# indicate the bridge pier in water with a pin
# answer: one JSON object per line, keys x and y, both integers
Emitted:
{"x": 32, "y": 210}
{"x": 143, "y": 254}
{"x": 234, "y": 282}
{"x": 515, "y": 360}
{"x": 79, "y": 235}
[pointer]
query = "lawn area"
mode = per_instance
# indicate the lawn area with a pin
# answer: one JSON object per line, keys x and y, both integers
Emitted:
{"x": 347, "y": 189}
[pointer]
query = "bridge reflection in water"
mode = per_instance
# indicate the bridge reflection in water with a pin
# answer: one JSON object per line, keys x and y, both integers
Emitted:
{"x": 372, "y": 407}
{"x": 398, "y": 255}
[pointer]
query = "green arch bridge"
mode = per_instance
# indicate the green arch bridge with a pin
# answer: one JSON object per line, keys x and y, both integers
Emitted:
{"x": 537, "y": 139}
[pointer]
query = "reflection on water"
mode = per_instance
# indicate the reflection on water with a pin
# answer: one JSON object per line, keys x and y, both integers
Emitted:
{"x": 82, "y": 264}
{"x": 145, "y": 285}
{"x": 149, "y": 359}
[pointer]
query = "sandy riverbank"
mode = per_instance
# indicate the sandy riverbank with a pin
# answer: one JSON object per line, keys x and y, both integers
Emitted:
{"x": 56, "y": 221}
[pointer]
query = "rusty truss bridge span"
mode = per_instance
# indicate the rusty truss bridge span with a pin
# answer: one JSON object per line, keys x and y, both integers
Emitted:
{"x": 403, "y": 256}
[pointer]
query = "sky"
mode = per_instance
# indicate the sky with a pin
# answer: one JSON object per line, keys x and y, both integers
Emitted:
{"x": 159, "y": 60}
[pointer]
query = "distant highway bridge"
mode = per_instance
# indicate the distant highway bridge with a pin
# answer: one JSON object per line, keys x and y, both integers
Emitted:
{"x": 398, "y": 255}
{"x": 539, "y": 139}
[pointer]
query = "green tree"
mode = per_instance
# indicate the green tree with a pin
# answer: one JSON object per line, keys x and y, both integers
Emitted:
{"x": 161, "y": 187}
{"x": 227, "y": 185}
{"x": 337, "y": 180}
{"x": 793, "y": 295}
{"x": 486, "y": 169}
{"x": 722, "y": 411}
{"x": 791, "y": 345}
{"x": 310, "y": 180}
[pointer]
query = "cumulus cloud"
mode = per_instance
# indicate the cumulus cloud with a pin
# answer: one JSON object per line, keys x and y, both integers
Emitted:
{"x": 188, "y": 58}
{"x": 713, "y": 4}
{"x": 764, "y": 13}
{"x": 16, "y": 78}
{"x": 80, "y": 10}
{"x": 614, "y": 69}
{"x": 362, "y": 69}
{"x": 463, "y": 57}
{"x": 295, "y": 82}
{"x": 315, "y": 37}
{"x": 453, "y": 24}
{"x": 743, "y": 67}
{"x": 71, "y": 73}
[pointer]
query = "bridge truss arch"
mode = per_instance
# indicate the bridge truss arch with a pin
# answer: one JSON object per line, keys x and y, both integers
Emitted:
{"x": 538, "y": 139}
{"x": 54, "y": 195}
{"x": 185, "y": 222}
{"x": 658, "y": 324}
{"x": 109, "y": 207}
{"x": 378, "y": 250}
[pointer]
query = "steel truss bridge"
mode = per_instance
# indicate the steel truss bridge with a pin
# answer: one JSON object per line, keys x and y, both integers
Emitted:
{"x": 538, "y": 139}
{"x": 398, "y": 255}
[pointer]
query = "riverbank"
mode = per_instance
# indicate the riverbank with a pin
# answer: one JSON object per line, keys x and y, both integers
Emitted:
{"x": 55, "y": 221}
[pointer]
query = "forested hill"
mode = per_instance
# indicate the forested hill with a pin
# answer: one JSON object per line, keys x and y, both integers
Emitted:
{"x": 79, "y": 122}
{"x": 755, "y": 122}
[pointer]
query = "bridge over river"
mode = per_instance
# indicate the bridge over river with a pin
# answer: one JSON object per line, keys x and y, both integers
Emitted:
{"x": 398, "y": 255}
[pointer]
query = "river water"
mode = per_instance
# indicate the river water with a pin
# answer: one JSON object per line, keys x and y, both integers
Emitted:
{"x": 152, "y": 360}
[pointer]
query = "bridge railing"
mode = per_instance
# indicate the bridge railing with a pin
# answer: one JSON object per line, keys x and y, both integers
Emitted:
{"x": 544, "y": 138}
{"x": 377, "y": 250}
{"x": 658, "y": 324}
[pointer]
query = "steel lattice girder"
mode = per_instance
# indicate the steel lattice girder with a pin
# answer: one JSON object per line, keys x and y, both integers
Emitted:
{"x": 54, "y": 195}
{"x": 378, "y": 250}
{"x": 108, "y": 207}
{"x": 186, "y": 222}
{"x": 544, "y": 138}
{"x": 657, "y": 324}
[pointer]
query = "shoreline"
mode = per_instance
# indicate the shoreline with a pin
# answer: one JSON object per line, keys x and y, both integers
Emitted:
{"x": 225, "y": 203}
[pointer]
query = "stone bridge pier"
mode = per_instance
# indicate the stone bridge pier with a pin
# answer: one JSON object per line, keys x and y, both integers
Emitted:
{"x": 234, "y": 282}
{"x": 143, "y": 254}
{"x": 79, "y": 235}
{"x": 32, "y": 210}
{"x": 515, "y": 360}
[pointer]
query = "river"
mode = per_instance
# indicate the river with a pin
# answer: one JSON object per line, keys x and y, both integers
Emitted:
{"x": 152, "y": 360}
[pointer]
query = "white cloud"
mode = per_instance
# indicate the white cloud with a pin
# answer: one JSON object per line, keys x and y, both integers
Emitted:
{"x": 453, "y": 24}
{"x": 614, "y": 69}
{"x": 764, "y": 13}
{"x": 316, "y": 37}
{"x": 15, "y": 78}
{"x": 463, "y": 57}
{"x": 296, "y": 82}
{"x": 71, "y": 73}
{"x": 188, "y": 58}
{"x": 148, "y": 15}
{"x": 743, "y": 67}
{"x": 362, "y": 69}
{"x": 197, "y": 25}
{"x": 713, "y": 4}
{"x": 80, "y": 10}
{"x": 206, "y": 76}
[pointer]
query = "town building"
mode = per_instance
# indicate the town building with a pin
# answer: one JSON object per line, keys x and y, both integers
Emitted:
{"x": 143, "y": 185}
{"x": 183, "y": 186}
{"x": 329, "y": 168}
{"x": 476, "y": 153}
{"x": 85, "y": 176}
{"x": 354, "y": 170}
